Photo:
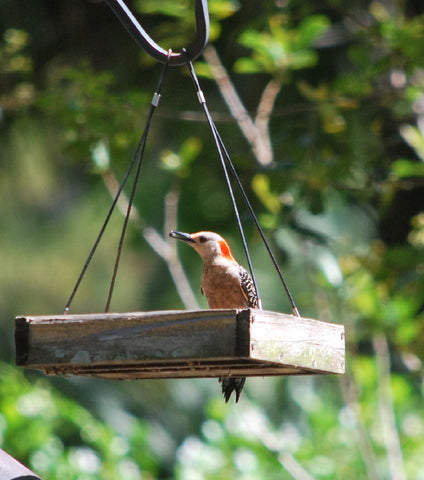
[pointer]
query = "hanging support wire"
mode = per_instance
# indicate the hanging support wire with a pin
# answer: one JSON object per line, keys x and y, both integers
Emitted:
{"x": 154, "y": 104}
{"x": 202, "y": 101}
{"x": 167, "y": 57}
{"x": 226, "y": 162}
{"x": 137, "y": 157}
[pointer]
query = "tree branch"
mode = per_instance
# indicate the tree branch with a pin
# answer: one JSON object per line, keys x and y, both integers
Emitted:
{"x": 256, "y": 131}
{"x": 386, "y": 408}
{"x": 350, "y": 395}
{"x": 294, "y": 468}
{"x": 265, "y": 108}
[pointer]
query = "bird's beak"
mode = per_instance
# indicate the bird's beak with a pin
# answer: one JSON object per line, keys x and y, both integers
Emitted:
{"x": 185, "y": 237}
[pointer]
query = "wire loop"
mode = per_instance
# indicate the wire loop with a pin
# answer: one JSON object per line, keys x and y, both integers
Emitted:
{"x": 151, "y": 47}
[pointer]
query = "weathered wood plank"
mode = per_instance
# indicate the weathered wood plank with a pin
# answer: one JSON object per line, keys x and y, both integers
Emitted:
{"x": 299, "y": 342}
{"x": 136, "y": 336}
{"x": 179, "y": 344}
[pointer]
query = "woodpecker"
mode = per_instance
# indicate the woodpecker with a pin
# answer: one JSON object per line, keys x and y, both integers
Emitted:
{"x": 225, "y": 283}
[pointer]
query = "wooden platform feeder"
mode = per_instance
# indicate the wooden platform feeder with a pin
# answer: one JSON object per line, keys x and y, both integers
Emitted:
{"x": 179, "y": 344}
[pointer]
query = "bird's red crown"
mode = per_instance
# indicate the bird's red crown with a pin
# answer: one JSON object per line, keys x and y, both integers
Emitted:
{"x": 225, "y": 250}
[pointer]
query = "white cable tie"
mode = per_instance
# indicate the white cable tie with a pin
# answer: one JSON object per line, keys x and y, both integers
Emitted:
{"x": 201, "y": 97}
{"x": 155, "y": 99}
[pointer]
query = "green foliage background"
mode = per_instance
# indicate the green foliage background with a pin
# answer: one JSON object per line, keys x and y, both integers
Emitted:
{"x": 342, "y": 203}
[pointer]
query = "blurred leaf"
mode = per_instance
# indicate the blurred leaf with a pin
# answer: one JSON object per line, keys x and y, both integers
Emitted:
{"x": 180, "y": 161}
{"x": 58, "y": 438}
{"x": 416, "y": 235}
{"x": 414, "y": 138}
{"x": 310, "y": 29}
{"x": 261, "y": 187}
{"x": 166, "y": 7}
{"x": 101, "y": 156}
{"x": 221, "y": 9}
{"x": 319, "y": 93}
{"x": 281, "y": 49}
{"x": 407, "y": 168}
{"x": 247, "y": 65}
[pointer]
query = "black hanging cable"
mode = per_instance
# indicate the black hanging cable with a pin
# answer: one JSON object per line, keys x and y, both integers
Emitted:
{"x": 258, "y": 226}
{"x": 202, "y": 101}
{"x": 138, "y": 154}
{"x": 102, "y": 230}
{"x": 154, "y": 104}
{"x": 226, "y": 161}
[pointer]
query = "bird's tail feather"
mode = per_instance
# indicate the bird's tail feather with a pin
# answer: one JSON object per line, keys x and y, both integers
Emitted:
{"x": 230, "y": 384}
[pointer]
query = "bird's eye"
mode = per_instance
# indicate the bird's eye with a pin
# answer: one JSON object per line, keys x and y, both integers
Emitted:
{"x": 202, "y": 239}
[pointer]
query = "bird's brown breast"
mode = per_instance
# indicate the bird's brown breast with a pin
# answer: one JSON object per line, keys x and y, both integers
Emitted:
{"x": 222, "y": 288}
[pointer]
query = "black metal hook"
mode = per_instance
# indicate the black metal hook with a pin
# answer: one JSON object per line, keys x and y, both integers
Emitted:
{"x": 152, "y": 48}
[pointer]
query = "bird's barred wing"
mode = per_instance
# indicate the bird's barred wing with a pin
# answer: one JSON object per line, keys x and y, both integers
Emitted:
{"x": 248, "y": 288}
